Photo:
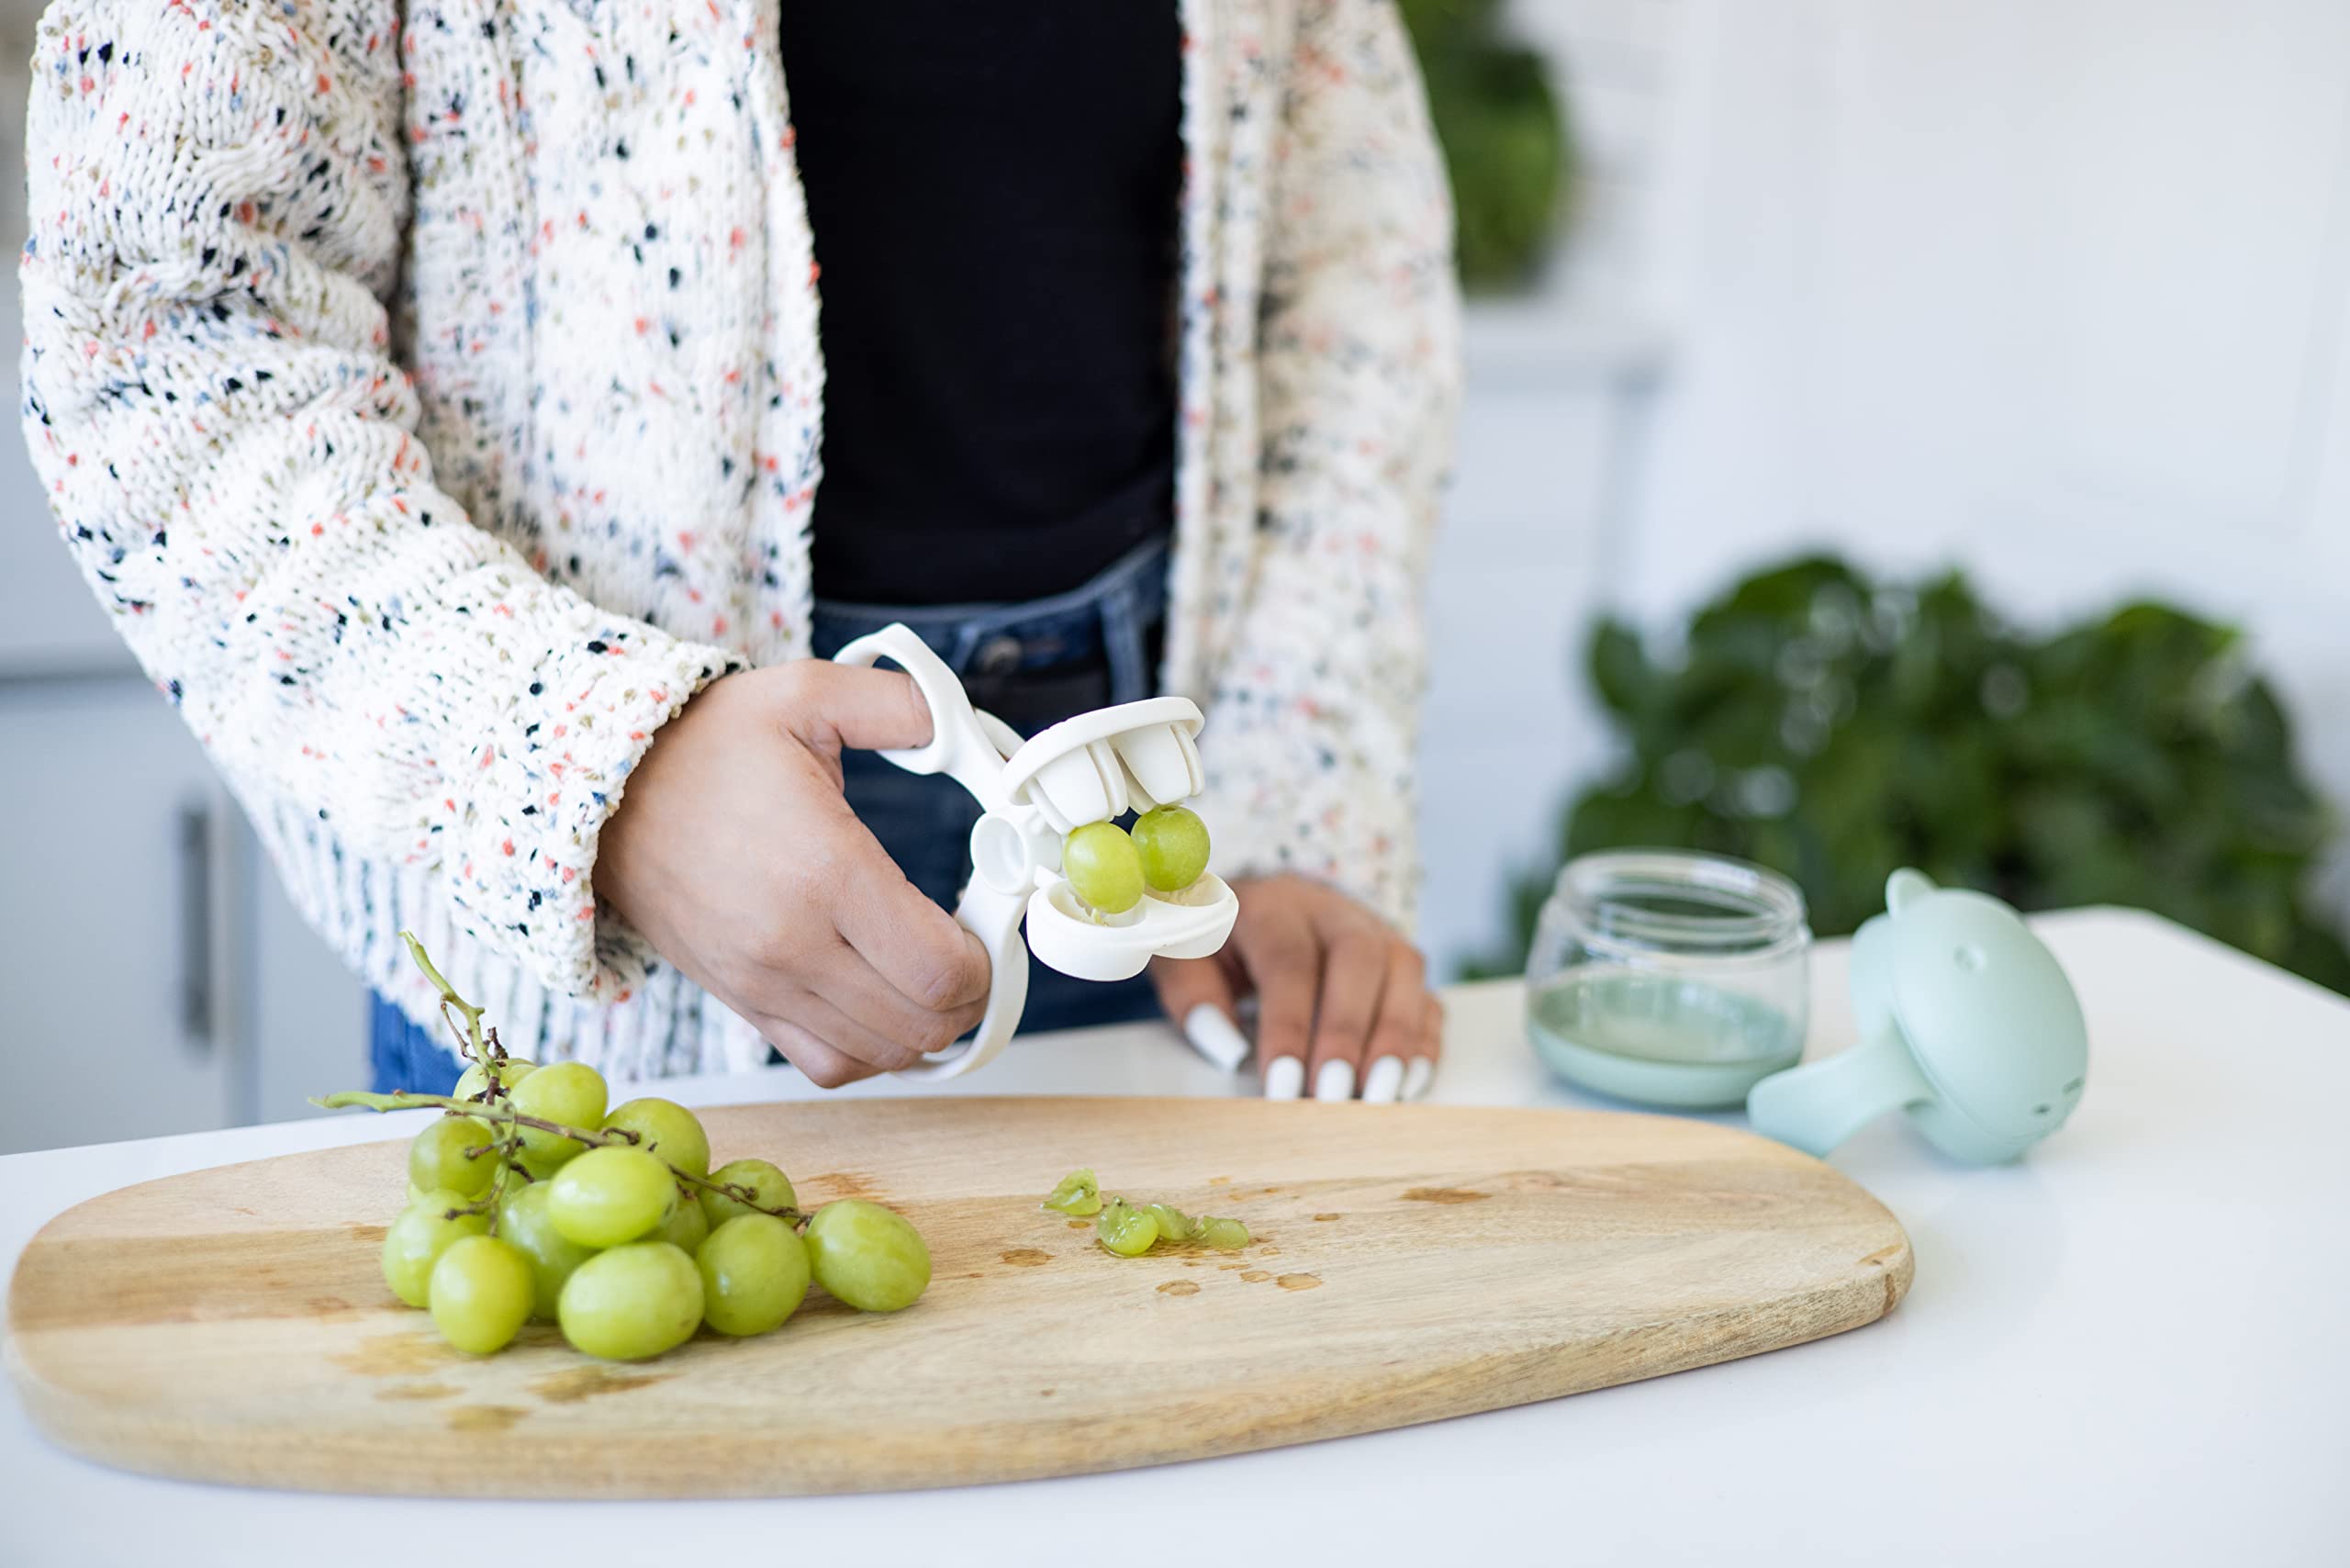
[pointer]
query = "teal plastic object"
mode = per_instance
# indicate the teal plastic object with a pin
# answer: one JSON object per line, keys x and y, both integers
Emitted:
{"x": 1966, "y": 1022}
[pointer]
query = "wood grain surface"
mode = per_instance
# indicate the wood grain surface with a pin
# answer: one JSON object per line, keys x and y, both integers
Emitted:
{"x": 1411, "y": 1262}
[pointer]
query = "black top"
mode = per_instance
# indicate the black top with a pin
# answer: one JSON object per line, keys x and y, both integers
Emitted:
{"x": 993, "y": 191}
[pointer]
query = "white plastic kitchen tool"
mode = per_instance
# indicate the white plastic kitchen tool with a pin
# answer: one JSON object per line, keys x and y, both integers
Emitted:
{"x": 1092, "y": 767}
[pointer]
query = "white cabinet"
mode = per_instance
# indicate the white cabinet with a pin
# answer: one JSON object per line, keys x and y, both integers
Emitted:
{"x": 109, "y": 998}
{"x": 152, "y": 977}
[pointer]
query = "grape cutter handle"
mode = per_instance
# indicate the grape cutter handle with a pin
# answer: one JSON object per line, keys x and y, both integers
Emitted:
{"x": 1819, "y": 1105}
{"x": 961, "y": 747}
{"x": 993, "y": 916}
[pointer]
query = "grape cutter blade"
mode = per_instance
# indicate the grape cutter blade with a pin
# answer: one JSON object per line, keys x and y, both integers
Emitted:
{"x": 1092, "y": 767}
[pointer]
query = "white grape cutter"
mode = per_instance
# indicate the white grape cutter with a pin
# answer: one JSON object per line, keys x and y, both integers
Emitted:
{"x": 1092, "y": 767}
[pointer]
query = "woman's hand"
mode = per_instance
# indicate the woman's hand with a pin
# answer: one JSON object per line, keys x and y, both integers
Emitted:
{"x": 1339, "y": 991}
{"x": 736, "y": 854}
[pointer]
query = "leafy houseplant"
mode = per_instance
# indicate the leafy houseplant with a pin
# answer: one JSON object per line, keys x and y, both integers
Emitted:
{"x": 1505, "y": 145}
{"x": 1836, "y": 728}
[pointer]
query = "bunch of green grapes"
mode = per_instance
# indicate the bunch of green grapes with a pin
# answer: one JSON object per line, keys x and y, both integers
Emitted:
{"x": 1109, "y": 868}
{"x": 1132, "y": 1229}
{"x": 530, "y": 1199}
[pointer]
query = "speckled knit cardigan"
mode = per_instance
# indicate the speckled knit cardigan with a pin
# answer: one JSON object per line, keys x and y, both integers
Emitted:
{"x": 431, "y": 393}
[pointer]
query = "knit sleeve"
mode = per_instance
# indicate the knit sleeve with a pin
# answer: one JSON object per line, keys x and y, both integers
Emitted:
{"x": 218, "y": 194}
{"x": 1314, "y": 715}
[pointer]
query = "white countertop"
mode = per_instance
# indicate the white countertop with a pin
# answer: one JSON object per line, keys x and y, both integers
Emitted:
{"x": 2127, "y": 1349}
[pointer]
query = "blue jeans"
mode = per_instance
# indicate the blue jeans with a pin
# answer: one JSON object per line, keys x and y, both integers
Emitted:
{"x": 1030, "y": 664}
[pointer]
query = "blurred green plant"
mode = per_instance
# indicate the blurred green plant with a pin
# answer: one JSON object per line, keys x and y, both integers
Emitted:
{"x": 1506, "y": 142}
{"x": 1836, "y": 728}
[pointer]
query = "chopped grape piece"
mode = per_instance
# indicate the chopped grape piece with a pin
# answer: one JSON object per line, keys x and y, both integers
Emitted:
{"x": 1079, "y": 1193}
{"x": 1126, "y": 1230}
{"x": 1223, "y": 1234}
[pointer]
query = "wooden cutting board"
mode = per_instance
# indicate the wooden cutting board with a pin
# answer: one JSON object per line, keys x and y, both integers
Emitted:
{"x": 1411, "y": 1262}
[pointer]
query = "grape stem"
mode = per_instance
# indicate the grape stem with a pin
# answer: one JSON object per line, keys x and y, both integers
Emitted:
{"x": 495, "y": 1105}
{"x": 404, "y": 1100}
{"x": 449, "y": 997}
{"x": 490, "y": 1055}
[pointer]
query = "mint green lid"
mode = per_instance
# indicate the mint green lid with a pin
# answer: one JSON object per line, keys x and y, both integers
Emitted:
{"x": 1987, "y": 1012}
{"x": 1966, "y": 1022}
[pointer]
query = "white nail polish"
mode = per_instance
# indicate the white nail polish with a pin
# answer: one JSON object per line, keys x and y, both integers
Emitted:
{"x": 1335, "y": 1080}
{"x": 1417, "y": 1076}
{"x": 1215, "y": 1036}
{"x": 1284, "y": 1077}
{"x": 1379, "y": 1085}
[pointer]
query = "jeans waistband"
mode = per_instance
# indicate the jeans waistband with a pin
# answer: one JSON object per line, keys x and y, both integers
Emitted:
{"x": 1088, "y": 625}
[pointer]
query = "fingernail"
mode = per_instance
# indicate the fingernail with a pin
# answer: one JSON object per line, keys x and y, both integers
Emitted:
{"x": 1214, "y": 1036}
{"x": 1284, "y": 1077}
{"x": 1379, "y": 1085}
{"x": 1417, "y": 1076}
{"x": 1335, "y": 1080}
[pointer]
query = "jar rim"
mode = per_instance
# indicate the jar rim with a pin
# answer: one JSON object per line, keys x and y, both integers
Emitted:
{"x": 1758, "y": 912}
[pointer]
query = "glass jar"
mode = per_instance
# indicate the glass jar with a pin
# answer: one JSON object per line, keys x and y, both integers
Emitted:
{"x": 1669, "y": 978}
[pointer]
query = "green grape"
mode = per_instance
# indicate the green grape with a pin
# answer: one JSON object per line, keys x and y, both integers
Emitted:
{"x": 769, "y": 1185}
{"x": 453, "y": 1153}
{"x": 415, "y": 1240}
{"x": 1223, "y": 1234}
{"x": 753, "y": 1273}
{"x": 687, "y": 1225}
{"x": 867, "y": 1256}
{"x": 1102, "y": 867}
{"x": 523, "y": 1219}
{"x": 475, "y": 1078}
{"x": 609, "y": 1195}
{"x": 571, "y": 1093}
{"x": 667, "y": 1129}
{"x": 1079, "y": 1193}
{"x": 1173, "y": 843}
{"x": 632, "y": 1301}
{"x": 1126, "y": 1230}
{"x": 1174, "y": 1225}
{"x": 481, "y": 1292}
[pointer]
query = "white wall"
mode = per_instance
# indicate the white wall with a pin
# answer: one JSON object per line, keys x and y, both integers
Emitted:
{"x": 2056, "y": 290}
{"x": 2059, "y": 289}
{"x": 1560, "y": 384}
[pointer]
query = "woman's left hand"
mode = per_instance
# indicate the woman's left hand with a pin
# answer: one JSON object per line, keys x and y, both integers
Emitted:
{"x": 1338, "y": 992}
